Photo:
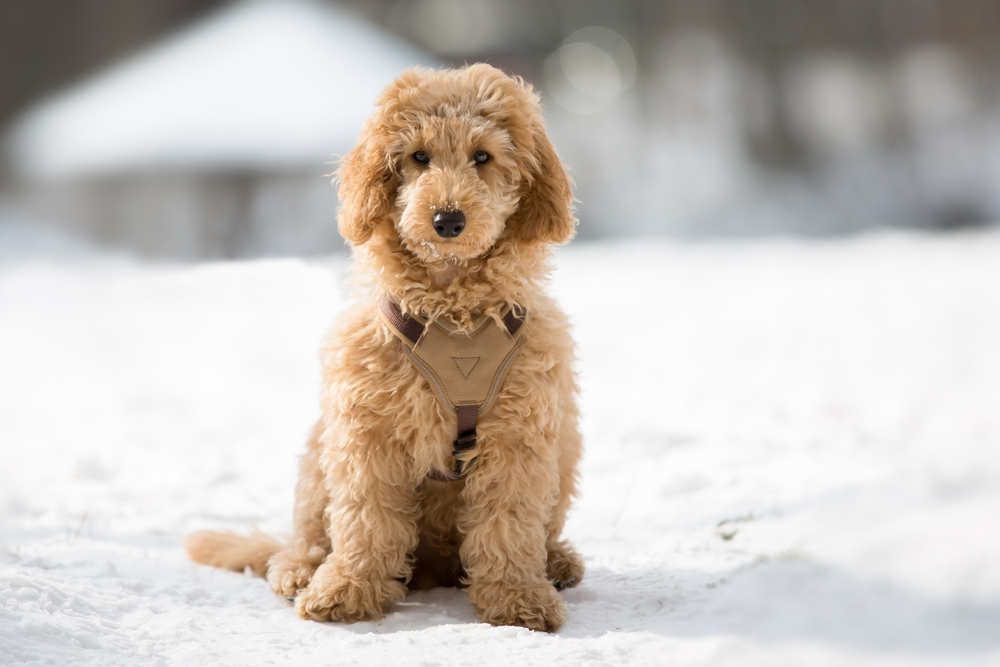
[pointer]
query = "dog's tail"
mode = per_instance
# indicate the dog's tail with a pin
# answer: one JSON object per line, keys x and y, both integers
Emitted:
{"x": 231, "y": 551}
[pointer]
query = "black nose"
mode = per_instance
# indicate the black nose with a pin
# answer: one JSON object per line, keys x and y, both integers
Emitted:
{"x": 449, "y": 224}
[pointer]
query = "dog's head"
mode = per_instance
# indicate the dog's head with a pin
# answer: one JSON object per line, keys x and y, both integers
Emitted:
{"x": 455, "y": 160}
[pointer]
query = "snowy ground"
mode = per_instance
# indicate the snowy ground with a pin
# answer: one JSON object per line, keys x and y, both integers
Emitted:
{"x": 793, "y": 460}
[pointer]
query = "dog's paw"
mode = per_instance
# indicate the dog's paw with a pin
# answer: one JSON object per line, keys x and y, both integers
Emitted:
{"x": 331, "y": 596}
{"x": 564, "y": 567}
{"x": 290, "y": 570}
{"x": 537, "y": 608}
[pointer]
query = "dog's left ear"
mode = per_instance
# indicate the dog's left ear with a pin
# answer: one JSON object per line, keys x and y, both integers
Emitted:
{"x": 367, "y": 185}
{"x": 545, "y": 211}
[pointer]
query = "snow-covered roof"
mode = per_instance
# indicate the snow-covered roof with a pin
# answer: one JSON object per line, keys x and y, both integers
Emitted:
{"x": 261, "y": 84}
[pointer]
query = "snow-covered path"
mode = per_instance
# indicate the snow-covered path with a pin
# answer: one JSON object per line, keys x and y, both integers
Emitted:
{"x": 794, "y": 459}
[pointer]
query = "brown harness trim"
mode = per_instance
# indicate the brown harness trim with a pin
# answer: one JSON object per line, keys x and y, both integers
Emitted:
{"x": 413, "y": 329}
{"x": 468, "y": 415}
{"x": 408, "y": 326}
{"x": 514, "y": 319}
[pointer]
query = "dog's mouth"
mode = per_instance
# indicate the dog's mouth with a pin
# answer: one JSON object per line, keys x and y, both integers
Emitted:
{"x": 435, "y": 251}
{"x": 441, "y": 251}
{"x": 447, "y": 235}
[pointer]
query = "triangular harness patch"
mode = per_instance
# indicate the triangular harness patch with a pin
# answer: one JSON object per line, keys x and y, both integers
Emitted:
{"x": 465, "y": 365}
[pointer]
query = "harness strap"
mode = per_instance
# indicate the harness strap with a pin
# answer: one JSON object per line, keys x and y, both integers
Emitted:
{"x": 467, "y": 417}
{"x": 406, "y": 325}
{"x": 413, "y": 329}
{"x": 514, "y": 319}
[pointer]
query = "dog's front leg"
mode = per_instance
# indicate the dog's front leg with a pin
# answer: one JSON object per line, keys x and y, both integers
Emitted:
{"x": 508, "y": 500}
{"x": 372, "y": 527}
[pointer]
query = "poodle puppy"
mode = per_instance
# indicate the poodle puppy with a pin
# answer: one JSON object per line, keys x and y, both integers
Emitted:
{"x": 451, "y": 202}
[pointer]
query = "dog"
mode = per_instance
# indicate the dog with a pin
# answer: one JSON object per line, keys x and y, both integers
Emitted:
{"x": 451, "y": 202}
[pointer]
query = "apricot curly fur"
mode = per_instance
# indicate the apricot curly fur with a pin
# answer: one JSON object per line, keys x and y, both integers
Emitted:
{"x": 367, "y": 517}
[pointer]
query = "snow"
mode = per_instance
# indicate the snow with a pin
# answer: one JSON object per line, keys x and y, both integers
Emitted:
{"x": 793, "y": 458}
{"x": 263, "y": 84}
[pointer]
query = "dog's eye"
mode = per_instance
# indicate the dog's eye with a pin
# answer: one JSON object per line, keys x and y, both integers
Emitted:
{"x": 422, "y": 157}
{"x": 481, "y": 157}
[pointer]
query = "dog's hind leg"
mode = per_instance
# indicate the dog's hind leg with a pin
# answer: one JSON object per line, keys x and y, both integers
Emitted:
{"x": 290, "y": 569}
{"x": 564, "y": 566}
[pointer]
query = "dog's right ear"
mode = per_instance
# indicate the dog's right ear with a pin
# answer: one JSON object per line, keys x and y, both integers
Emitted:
{"x": 367, "y": 183}
{"x": 545, "y": 211}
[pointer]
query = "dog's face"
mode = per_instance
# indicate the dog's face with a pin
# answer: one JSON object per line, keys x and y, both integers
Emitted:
{"x": 459, "y": 182}
{"x": 453, "y": 161}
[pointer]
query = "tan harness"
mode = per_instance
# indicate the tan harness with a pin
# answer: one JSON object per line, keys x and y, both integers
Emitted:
{"x": 465, "y": 369}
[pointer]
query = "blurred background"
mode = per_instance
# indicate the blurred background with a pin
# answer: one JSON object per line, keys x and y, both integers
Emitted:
{"x": 189, "y": 129}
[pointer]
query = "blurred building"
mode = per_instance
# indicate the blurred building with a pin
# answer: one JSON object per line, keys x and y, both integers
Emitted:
{"x": 215, "y": 142}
